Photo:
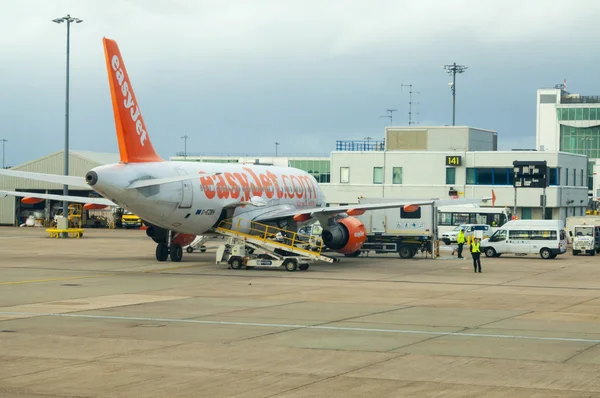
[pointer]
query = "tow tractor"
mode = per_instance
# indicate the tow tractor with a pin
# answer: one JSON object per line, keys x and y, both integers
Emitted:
{"x": 240, "y": 253}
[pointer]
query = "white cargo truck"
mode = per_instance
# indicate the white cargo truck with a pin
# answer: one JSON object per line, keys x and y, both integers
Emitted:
{"x": 397, "y": 230}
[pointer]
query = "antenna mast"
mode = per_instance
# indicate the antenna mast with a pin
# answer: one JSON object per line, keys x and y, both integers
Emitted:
{"x": 410, "y": 122}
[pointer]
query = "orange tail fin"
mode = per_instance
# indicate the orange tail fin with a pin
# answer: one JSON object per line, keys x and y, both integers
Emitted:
{"x": 133, "y": 138}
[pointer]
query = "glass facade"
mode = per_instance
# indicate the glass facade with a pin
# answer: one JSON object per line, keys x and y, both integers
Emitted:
{"x": 580, "y": 140}
{"x": 569, "y": 114}
{"x": 501, "y": 176}
{"x": 320, "y": 169}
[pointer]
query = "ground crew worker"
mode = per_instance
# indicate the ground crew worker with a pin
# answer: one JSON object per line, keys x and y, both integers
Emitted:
{"x": 476, "y": 254}
{"x": 460, "y": 239}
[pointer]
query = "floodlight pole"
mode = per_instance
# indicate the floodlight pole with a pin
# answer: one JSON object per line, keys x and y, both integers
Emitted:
{"x": 453, "y": 70}
{"x": 68, "y": 19}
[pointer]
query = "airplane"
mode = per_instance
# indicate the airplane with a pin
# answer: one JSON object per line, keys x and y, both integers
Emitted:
{"x": 180, "y": 200}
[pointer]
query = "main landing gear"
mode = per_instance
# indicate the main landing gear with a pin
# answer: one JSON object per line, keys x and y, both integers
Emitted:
{"x": 165, "y": 248}
{"x": 163, "y": 251}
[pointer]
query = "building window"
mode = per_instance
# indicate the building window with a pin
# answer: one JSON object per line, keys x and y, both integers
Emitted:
{"x": 450, "y": 175}
{"x": 470, "y": 176}
{"x": 554, "y": 176}
{"x": 570, "y": 114}
{"x": 574, "y": 177}
{"x": 567, "y": 178}
{"x": 490, "y": 176}
{"x": 581, "y": 179}
{"x": 500, "y": 176}
{"x": 397, "y": 175}
{"x": 344, "y": 175}
{"x": 319, "y": 169}
{"x": 526, "y": 213}
{"x": 377, "y": 175}
{"x": 548, "y": 215}
{"x": 485, "y": 176}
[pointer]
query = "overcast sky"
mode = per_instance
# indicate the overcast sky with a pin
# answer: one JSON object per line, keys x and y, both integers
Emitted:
{"x": 237, "y": 76}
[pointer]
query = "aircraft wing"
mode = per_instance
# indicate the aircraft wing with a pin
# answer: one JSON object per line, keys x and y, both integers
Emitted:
{"x": 53, "y": 178}
{"x": 75, "y": 199}
{"x": 360, "y": 208}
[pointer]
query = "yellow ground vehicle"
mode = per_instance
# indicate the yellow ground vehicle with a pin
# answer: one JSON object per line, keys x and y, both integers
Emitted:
{"x": 130, "y": 220}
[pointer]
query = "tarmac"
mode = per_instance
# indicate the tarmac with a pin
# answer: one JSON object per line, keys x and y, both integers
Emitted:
{"x": 100, "y": 317}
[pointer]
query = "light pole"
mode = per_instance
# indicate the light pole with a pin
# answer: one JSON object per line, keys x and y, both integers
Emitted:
{"x": 3, "y": 157}
{"x": 453, "y": 70}
{"x": 276, "y": 146}
{"x": 185, "y": 137}
{"x": 68, "y": 19}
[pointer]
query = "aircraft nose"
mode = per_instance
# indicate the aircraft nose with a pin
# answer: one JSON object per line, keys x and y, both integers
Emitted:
{"x": 91, "y": 178}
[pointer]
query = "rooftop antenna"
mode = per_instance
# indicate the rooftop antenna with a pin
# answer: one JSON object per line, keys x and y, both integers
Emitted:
{"x": 410, "y": 92}
{"x": 417, "y": 112}
{"x": 390, "y": 115}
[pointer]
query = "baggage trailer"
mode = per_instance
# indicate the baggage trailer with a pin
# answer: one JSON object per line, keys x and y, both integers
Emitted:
{"x": 240, "y": 253}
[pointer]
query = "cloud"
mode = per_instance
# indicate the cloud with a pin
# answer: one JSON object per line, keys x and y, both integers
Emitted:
{"x": 237, "y": 76}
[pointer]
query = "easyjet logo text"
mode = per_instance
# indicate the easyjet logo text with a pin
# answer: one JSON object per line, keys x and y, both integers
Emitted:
{"x": 246, "y": 184}
{"x": 134, "y": 110}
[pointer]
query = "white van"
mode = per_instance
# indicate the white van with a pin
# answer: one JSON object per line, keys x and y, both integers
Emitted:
{"x": 544, "y": 237}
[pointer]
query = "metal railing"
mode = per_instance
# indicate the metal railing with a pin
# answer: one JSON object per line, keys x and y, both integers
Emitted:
{"x": 583, "y": 99}
{"x": 273, "y": 235}
{"x": 358, "y": 145}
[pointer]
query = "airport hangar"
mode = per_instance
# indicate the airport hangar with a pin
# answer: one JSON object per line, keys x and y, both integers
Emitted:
{"x": 411, "y": 162}
{"x": 14, "y": 212}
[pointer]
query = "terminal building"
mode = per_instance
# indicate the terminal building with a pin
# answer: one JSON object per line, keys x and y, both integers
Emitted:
{"x": 570, "y": 123}
{"x": 452, "y": 162}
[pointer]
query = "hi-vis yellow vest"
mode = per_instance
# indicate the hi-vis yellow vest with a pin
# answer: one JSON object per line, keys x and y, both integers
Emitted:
{"x": 475, "y": 247}
{"x": 460, "y": 238}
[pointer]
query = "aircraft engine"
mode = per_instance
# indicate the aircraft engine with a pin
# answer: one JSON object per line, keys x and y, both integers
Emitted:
{"x": 346, "y": 236}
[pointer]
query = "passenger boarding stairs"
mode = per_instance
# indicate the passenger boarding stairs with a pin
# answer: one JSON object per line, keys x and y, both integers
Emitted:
{"x": 272, "y": 238}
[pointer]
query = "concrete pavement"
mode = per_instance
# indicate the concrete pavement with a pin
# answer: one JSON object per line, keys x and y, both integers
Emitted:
{"x": 98, "y": 316}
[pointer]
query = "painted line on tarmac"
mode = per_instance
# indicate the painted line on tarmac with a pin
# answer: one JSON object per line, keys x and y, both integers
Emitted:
{"x": 291, "y": 326}
{"x": 54, "y": 279}
{"x": 175, "y": 268}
